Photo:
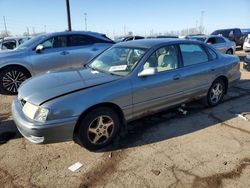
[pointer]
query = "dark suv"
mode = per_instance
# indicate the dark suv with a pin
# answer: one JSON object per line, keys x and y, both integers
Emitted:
{"x": 233, "y": 34}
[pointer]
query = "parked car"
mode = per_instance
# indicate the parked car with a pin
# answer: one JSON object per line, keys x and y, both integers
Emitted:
{"x": 246, "y": 64}
{"x": 167, "y": 36}
{"x": 10, "y": 43}
{"x": 220, "y": 43}
{"x": 48, "y": 52}
{"x": 246, "y": 46}
{"x": 128, "y": 81}
{"x": 233, "y": 34}
{"x": 128, "y": 38}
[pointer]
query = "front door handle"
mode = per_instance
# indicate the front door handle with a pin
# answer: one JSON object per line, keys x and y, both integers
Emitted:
{"x": 64, "y": 53}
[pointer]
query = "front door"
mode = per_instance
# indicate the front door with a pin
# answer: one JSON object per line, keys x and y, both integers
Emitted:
{"x": 53, "y": 57}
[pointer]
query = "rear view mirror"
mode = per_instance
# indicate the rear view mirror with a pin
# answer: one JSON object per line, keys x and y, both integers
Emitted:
{"x": 147, "y": 72}
{"x": 39, "y": 48}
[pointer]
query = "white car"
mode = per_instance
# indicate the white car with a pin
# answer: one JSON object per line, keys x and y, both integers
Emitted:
{"x": 246, "y": 45}
{"x": 10, "y": 43}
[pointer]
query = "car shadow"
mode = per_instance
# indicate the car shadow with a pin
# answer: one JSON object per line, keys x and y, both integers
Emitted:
{"x": 172, "y": 123}
{"x": 8, "y": 129}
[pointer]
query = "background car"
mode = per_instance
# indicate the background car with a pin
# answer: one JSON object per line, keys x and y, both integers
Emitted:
{"x": 220, "y": 43}
{"x": 246, "y": 64}
{"x": 10, "y": 43}
{"x": 246, "y": 46}
{"x": 128, "y": 81}
{"x": 233, "y": 34}
{"x": 128, "y": 38}
{"x": 48, "y": 52}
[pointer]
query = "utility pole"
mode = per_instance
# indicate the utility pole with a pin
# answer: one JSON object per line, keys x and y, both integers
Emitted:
{"x": 85, "y": 18}
{"x": 28, "y": 32}
{"x": 68, "y": 15}
{"x": 201, "y": 21}
{"x": 6, "y": 31}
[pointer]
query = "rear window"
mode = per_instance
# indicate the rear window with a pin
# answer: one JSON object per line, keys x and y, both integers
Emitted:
{"x": 193, "y": 54}
{"x": 80, "y": 40}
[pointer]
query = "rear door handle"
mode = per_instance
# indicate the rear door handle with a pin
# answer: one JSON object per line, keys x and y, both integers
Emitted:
{"x": 64, "y": 53}
{"x": 95, "y": 49}
{"x": 177, "y": 77}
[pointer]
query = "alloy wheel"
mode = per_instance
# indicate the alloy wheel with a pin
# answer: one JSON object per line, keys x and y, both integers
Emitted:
{"x": 12, "y": 80}
{"x": 100, "y": 130}
{"x": 216, "y": 93}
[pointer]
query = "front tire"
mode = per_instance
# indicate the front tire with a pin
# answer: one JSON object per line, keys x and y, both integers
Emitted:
{"x": 216, "y": 93}
{"x": 11, "y": 78}
{"x": 98, "y": 128}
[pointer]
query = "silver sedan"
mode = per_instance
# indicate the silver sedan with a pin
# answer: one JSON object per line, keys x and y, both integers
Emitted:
{"x": 48, "y": 52}
{"x": 218, "y": 42}
{"x": 130, "y": 80}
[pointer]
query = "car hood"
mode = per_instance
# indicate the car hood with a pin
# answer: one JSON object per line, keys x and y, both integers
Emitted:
{"x": 40, "y": 89}
{"x": 9, "y": 53}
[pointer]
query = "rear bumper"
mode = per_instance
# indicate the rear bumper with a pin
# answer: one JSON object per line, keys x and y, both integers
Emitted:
{"x": 42, "y": 133}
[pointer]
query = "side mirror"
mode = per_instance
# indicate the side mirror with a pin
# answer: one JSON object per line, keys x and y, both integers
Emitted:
{"x": 39, "y": 48}
{"x": 147, "y": 72}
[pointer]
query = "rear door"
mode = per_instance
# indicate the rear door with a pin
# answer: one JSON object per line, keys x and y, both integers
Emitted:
{"x": 82, "y": 48}
{"x": 221, "y": 44}
{"x": 197, "y": 68}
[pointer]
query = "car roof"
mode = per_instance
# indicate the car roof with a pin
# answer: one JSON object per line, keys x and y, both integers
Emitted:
{"x": 149, "y": 43}
{"x": 74, "y": 32}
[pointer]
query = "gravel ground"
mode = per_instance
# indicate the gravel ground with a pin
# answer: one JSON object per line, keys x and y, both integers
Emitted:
{"x": 208, "y": 147}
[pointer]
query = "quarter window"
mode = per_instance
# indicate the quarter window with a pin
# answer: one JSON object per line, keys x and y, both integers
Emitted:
{"x": 212, "y": 53}
{"x": 163, "y": 59}
{"x": 193, "y": 54}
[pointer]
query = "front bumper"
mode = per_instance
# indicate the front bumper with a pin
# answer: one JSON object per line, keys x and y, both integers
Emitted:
{"x": 61, "y": 130}
{"x": 246, "y": 48}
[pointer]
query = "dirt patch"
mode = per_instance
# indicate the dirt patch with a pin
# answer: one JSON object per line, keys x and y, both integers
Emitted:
{"x": 102, "y": 170}
{"x": 215, "y": 180}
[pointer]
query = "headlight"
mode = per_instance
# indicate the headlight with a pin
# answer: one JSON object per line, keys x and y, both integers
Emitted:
{"x": 35, "y": 112}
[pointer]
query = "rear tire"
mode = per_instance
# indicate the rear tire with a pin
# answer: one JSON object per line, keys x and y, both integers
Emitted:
{"x": 215, "y": 93}
{"x": 11, "y": 78}
{"x": 229, "y": 52}
{"x": 98, "y": 128}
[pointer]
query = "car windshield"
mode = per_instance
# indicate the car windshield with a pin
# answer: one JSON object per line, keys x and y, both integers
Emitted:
{"x": 31, "y": 42}
{"x": 118, "y": 60}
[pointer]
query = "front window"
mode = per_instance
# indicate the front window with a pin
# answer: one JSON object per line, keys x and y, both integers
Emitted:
{"x": 55, "y": 42}
{"x": 164, "y": 59}
{"x": 118, "y": 60}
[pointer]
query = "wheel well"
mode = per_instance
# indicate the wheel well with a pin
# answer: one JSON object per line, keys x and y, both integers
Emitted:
{"x": 225, "y": 80}
{"x": 230, "y": 49}
{"x": 15, "y": 65}
{"x": 109, "y": 105}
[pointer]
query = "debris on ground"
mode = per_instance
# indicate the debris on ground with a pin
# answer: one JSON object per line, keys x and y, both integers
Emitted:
{"x": 75, "y": 167}
{"x": 184, "y": 112}
{"x": 110, "y": 155}
{"x": 156, "y": 172}
{"x": 225, "y": 163}
{"x": 242, "y": 116}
